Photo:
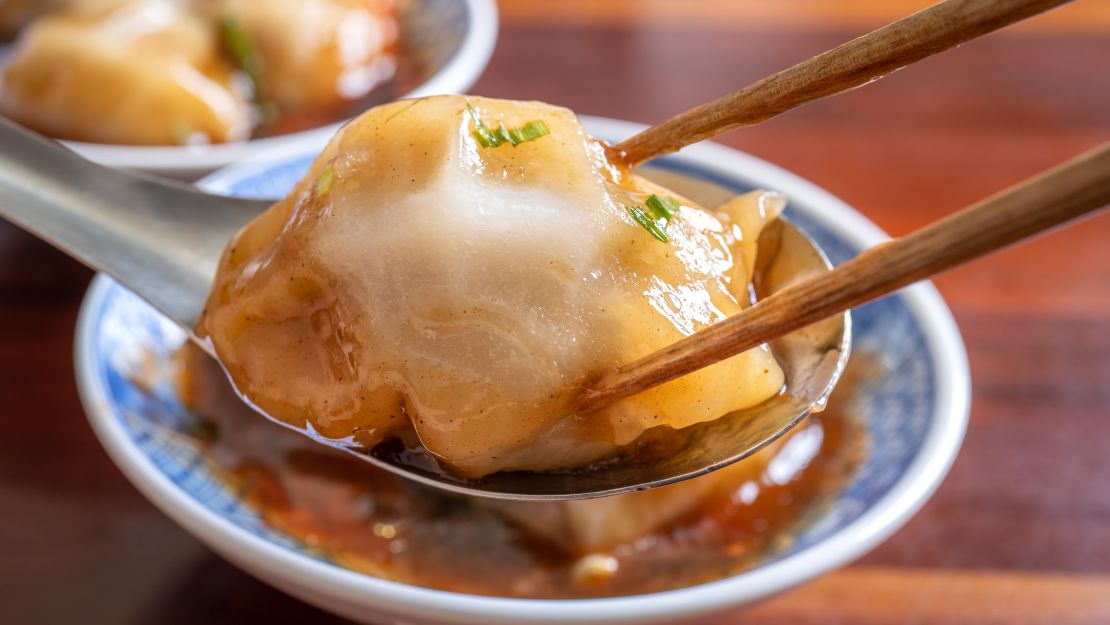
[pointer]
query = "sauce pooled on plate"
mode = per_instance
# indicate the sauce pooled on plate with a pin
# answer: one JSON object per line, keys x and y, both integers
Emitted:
{"x": 377, "y": 523}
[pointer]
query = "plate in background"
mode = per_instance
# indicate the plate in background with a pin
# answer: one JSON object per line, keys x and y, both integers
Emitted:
{"x": 451, "y": 39}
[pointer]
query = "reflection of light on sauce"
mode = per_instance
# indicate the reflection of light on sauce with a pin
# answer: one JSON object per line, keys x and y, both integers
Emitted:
{"x": 594, "y": 569}
{"x": 747, "y": 493}
{"x": 716, "y": 255}
{"x": 688, "y": 308}
{"x": 795, "y": 455}
{"x": 385, "y": 530}
{"x": 371, "y": 521}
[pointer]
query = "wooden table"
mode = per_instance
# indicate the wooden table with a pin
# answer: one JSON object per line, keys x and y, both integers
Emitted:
{"x": 1019, "y": 533}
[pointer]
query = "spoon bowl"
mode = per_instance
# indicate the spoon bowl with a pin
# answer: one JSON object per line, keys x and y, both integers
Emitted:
{"x": 812, "y": 360}
{"x": 163, "y": 241}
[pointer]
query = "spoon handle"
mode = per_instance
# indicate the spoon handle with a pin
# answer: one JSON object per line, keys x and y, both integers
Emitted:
{"x": 845, "y": 67}
{"x": 1079, "y": 186}
{"x": 160, "y": 239}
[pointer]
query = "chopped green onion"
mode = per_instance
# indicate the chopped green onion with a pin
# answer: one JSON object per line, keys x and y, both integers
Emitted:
{"x": 404, "y": 108}
{"x": 323, "y": 182}
{"x": 662, "y": 207}
{"x": 488, "y": 138}
{"x": 482, "y": 134}
{"x": 503, "y": 136}
{"x": 530, "y": 131}
{"x": 238, "y": 44}
{"x": 660, "y": 211}
{"x": 246, "y": 58}
{"x": 647, "y": 222}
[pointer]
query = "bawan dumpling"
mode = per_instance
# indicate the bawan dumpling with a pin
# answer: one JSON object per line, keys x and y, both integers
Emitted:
{"x": 316, "y": 54}
{"x": 459, "y": 268}
{"x": 169, "y": 72}
{"x": 145, "y": 72}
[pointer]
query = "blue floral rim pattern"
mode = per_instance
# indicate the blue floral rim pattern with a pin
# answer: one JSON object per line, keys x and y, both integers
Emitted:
{"x": 897, "y": 409}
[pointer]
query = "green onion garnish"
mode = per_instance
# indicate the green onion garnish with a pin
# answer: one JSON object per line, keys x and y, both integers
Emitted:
{"x": 488, "y": 138}
{"x": 404, "y": 108}
{"x": 323, "y": 182}
{"x": 647, "y": 222}
{"x": 485, "y": 138}
{"x": 530, "y": 131}
{"x": 662, "y": 207}
{"x": 660, "y": 211}
{"x": 482, "y": 134}
{"x": 503, "y": 136}
{"x": 246, "y": 58}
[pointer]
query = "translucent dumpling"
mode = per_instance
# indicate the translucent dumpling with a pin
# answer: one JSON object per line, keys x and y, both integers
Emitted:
{"x": 316, "y": 54}
{"x": 132, "y": 72}
{"x": 422, "y": 279}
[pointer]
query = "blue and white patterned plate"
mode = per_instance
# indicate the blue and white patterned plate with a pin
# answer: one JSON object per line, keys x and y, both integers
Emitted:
{"x": 916, "y": 414}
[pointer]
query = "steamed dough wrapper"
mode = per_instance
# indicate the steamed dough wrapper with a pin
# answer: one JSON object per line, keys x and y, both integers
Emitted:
{"x": 417, "y": 281}
{"x": 316, "y": 54}
{"x": 124, "y": 71}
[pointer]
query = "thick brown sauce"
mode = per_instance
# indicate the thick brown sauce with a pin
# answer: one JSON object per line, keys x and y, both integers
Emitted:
{"x": 376, "y": 523}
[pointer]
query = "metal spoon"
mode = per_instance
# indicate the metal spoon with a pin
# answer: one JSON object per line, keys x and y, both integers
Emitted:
{"x": 159, "y": 238}
{"x": 163, "y": 241}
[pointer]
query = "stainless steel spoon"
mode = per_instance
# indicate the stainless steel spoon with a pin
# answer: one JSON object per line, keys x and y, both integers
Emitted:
{"x": 163, "y": 241}
{"x": 160, "y": 239}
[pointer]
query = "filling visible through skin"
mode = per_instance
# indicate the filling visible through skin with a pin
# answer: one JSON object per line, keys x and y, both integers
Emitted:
{"x": 459, "y": 268}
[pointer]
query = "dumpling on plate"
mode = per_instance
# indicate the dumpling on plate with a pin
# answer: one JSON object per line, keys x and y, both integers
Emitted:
{"x": 460, "y": 268}
{"x": 315, "y": 55}
{"x": 147, "y": 72}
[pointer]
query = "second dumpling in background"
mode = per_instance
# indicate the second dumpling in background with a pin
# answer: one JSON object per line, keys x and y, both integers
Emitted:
{"x": 166, "y": 72}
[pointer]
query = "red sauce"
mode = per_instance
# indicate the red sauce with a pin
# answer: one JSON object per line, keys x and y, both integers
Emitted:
{"x": 374, "y": 522}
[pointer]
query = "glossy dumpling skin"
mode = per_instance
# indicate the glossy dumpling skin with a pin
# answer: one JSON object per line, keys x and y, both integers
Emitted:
{"x": 417, "y": 280}
{"x": 141, "y": 72}
{"x": 316, "y": 54}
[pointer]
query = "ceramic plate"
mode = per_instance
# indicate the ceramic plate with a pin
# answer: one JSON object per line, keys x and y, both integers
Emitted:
{"x": 916, "y": 413}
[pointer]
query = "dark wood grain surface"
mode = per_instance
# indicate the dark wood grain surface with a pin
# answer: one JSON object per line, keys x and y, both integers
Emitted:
{"x": 1018, "y": 533}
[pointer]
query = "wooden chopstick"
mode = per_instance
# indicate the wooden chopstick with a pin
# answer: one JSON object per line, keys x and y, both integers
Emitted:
{"x": 1077, "y": 187}
{"x": 845, "y": 67}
